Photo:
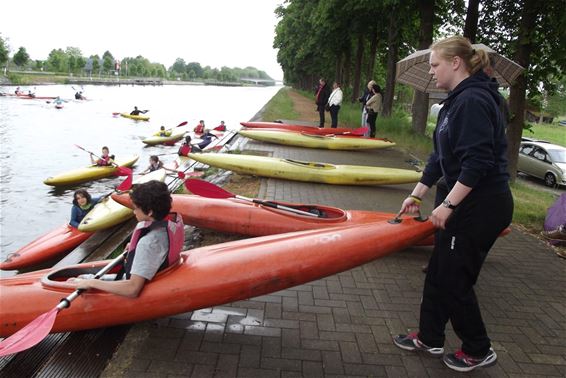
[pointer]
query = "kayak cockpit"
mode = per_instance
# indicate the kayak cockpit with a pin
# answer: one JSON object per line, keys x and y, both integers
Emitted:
{"x": 57, "y": 279}
{"x": 322, "y": 214}
{"x": 310, "y": 164}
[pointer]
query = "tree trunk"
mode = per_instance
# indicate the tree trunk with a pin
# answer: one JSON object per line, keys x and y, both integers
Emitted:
{"x": 372, "y": 53}
{"x": 420, "y": 100}
{"x": 472, "y": 16}
{"x": 358, "y": 68}
{"x": 347, "y": 69}
{"x": 519, "y": 89}
{"x": 392, "y": 57}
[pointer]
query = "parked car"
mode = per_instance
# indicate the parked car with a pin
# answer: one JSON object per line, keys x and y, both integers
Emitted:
{"x": 543, "y": 160}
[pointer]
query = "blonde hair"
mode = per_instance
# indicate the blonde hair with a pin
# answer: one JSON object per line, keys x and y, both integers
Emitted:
{"x": 448, "y": 48}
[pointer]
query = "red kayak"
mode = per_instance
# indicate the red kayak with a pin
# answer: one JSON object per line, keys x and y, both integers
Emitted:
{"x": 46, "y": 247}
{"x": 28, "y": 97}
{"x": 299, "y": 128}
{"x": 207, "y": 276}
{"x": 242, "y": 217}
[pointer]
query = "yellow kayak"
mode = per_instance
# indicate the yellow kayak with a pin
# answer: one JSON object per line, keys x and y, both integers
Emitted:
{"x": 108, "y": 213}
{"x": 136, "y": 117}
{"x": 170, "y": 139}
{"x": 308, "y": 171}
{"x": 92, "y": 172}
{"x": 304, "y": 139}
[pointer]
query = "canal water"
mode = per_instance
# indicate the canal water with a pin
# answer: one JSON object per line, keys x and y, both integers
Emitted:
{"x": 38, "y": 141}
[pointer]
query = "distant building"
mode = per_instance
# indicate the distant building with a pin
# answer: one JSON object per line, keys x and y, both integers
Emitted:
{"x": 262, "y": 82}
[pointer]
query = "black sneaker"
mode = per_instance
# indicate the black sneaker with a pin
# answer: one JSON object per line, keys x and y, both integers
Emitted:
{"x": 460, "y": 361}
{"x": 411, "y": 342}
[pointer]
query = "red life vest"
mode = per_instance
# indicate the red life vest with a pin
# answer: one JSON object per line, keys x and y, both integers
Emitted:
{"x": 220, "y": 128}
{"x": 184, "y": 149}
{"x": 176, "y": 237}
{"x": 199, "y": 129}
{"x": 103, "y": 161}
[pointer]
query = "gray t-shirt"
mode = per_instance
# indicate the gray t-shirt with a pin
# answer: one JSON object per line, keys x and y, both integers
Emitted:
{"x": 151, "y": 251}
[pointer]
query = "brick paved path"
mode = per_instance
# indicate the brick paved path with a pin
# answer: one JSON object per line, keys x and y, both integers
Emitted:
{"x": 342, "y": 325}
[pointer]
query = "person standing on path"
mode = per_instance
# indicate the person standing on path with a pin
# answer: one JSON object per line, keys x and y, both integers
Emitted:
{"x": 373, "y": 107}
{"x": 334, "y": 102}
{"x": 470, "y": 153}
{"x": 321, "y": 99}
{"x": 364, "y": 99}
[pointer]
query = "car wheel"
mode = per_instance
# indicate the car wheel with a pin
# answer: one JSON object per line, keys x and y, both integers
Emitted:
{"x": 550, "y": 180}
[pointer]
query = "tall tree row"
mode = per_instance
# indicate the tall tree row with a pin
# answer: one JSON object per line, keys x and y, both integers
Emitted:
{"x": 354, "y": 41}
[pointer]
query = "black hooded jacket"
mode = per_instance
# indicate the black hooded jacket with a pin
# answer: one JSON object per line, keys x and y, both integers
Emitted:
{"x": 469, "y": 140}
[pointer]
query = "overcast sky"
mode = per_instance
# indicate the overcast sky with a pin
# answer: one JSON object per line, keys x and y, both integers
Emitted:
{"x": 233, "y": 33}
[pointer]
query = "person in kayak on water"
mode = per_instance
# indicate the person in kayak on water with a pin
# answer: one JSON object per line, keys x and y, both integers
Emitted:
{"x": 79, "y": 96}
{"x": 187, "y": 147}
{"x": 221, "y": 127}
{"x": 199, "y": 129}
{"x": 156, "y": 243}
{"x": 163, "y": 133}
{"x": 136, "y": 111}
{"x": 82, "y": 204}
{"x": 105, "y": 159}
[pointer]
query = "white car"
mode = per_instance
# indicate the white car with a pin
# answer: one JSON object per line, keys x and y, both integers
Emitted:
{"x": 543, "y": 160}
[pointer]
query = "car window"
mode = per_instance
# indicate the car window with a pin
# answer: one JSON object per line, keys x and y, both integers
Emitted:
{"x": 527, "y": 149}
{"x": 539, "y": 154}
{"x": 558, "y": 156}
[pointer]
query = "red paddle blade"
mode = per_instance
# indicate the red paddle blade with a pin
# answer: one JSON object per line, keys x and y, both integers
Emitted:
{"x": 360, "y": 130}
{"x": 206, "y": 189}
{"x": 123, "y": 171}
{"x": 181, "y": 175}
{"x": 30, "y": 335}
{"x": 126, "y": 184}
{"x": 182, "y": 124}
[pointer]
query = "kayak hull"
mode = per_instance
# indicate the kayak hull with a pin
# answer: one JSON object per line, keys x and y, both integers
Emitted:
{"x": 89, "y": 173}
{"x": 207, "y": 276}
{"x": 135, "y": 117}
{"x": 108, "y": 213}
{"x": 290, "y": 127}
{"x": 303, "y": 139}
{"x": 308, "y": 171}
{"x": 237, "y": 216}
{"x": 155, "y": 140}
{"x": 45, "y": 247}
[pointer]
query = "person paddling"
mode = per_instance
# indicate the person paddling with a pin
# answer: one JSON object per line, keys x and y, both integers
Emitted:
{"x": 105, "y": 160}
{"x": 156, "y": 242}
{"x": 199, "y": 129}
{"x": 136, "y": 111}
{"x": 221, "y": 127}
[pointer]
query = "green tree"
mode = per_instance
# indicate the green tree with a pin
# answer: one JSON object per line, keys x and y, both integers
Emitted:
{"x": 21, "y": 58}
{"x": 4, "y": 51}
{"x": 57, "y": 61}
{"x": 179, "y": 66}
{"x": 196, "y": 67}
{"x": 108, "y": 62}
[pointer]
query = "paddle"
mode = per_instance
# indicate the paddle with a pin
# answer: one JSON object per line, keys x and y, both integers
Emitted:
{"x": 40, "y": 327}
{"x": 120, "y": 171}
{"x": 207, "y": 189}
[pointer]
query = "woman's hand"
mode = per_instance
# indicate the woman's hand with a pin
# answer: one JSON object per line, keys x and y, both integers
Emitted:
{"x": 410, "y": 206}
{"x": 440, "y": 216}
{"x": 79, "y": 283}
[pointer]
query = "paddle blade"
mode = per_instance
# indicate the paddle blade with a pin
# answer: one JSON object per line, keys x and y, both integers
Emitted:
{"x": 182, "y": 124}
{"x": 123, "y": 171}
{"x": 30, "y": 335}
{"x": 126, "y": 184}
{"x": 181, "y": 175}
{"x": 360, "y": 131}
{"x": 206, "y": 189}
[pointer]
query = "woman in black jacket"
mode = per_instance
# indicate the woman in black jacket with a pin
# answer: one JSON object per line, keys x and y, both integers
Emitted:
{"x": 472, "y": 207}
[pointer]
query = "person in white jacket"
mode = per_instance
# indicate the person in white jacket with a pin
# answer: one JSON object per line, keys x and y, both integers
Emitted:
{"x": 334, "y": 102}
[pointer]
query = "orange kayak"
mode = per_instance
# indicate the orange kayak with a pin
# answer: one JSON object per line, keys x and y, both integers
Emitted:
{"x": 242, "y": 217}
{"x": 45, "y": 247}
{"x": 207, "y": 276}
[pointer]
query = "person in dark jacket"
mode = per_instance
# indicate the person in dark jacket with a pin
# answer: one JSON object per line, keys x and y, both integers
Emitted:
{"x": 472, "y": 209}
{"x": 321, "y": 99}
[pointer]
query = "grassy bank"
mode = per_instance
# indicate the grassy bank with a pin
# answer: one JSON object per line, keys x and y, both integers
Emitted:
{"x": 531, "y": 203}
